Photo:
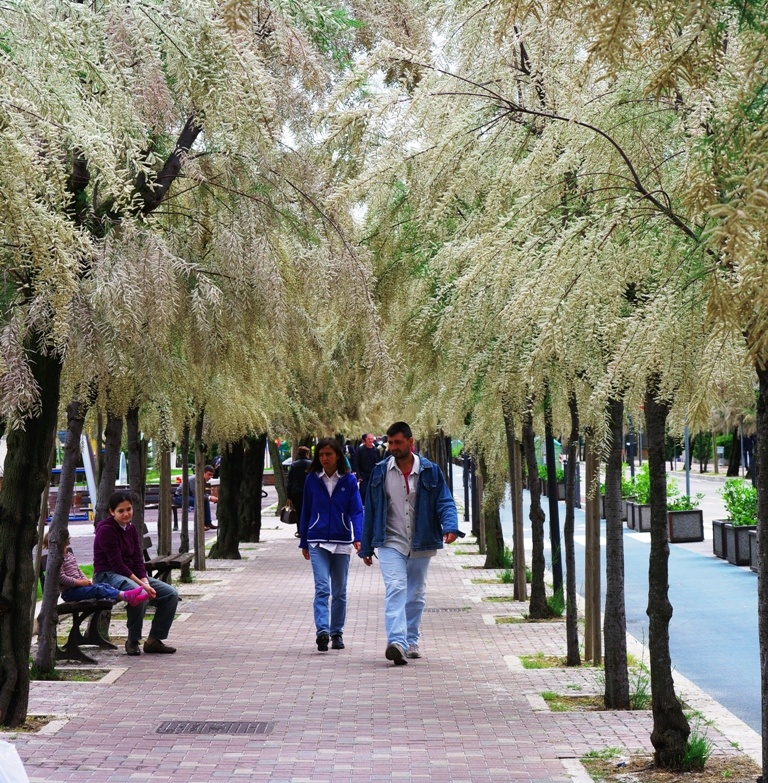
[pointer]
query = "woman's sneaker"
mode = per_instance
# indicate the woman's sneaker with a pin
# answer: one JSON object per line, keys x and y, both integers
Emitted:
{"x": 136, "y": 596}
{"x": 413, "y": 652}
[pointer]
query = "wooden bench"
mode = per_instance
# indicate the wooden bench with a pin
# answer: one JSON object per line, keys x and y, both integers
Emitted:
{"x": 160, "y": 567}
{"x": 80, "y": 611}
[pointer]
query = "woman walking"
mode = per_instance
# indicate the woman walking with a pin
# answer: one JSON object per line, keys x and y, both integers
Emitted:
{"x": 329, "y": 531}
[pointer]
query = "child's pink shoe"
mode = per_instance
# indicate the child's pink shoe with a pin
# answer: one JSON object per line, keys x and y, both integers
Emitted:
{"x": 136, "y": 596}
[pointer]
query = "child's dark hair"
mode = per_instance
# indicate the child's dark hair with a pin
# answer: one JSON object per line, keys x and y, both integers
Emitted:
{"x": 341, "y": 463}
{"x": 116, "y": 498}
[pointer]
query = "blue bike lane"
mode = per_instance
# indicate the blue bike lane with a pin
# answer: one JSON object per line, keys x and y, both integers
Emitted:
{"x": 713, "y": 631}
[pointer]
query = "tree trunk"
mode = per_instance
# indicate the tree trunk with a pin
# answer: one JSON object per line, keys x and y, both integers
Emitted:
{"x": 25, "y": 477}
{"x": 554, "y": 506}
{"x": 761, "y": 482}
{"x": 592, "y": 572}
{"x": 516, "y": 492}
{"x": 137, "y": 468}
{"x": 279, "y": 473}
{"x": 670, "y": 727}
{"x": 164, "y": 534}
{"x": 249, "y": 511}
{"x": 615, "y": 623}
{"x": 113, "y": 437}
{"x": 228, "y": 540}
{"x": 184, "y": 510}
{"x": 573, "y": 657}
{"x": 494, "y": 538}
{"x": 734, "y": 461}
{"x": 538, "y": 608}
{"x": 199, "y": 519}
{"x": 45, "y": 659}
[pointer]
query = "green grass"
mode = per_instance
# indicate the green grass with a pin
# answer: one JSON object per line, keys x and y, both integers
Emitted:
{"x": 697, "y": 750}
{"x": 605, "y": 754}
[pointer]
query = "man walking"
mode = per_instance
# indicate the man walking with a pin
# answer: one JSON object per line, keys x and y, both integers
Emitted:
{"x": 409, "y": 513}
{"x": 366, "y": 460}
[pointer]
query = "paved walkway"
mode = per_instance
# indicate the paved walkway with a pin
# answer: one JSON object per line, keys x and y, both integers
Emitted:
{"x": 467, "y": 711}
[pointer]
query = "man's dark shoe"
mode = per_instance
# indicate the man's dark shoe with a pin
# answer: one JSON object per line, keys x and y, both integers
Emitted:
{"x": 322, "y": 641}
{"x": 156, "y": 646}
{"x": 337, "y": 642}
{"x": 396, "y": 654}
{"x": 132, "y": 647}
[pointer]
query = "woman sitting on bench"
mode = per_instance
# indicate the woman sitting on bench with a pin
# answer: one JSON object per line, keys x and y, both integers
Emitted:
{"x": 118, "y": 560}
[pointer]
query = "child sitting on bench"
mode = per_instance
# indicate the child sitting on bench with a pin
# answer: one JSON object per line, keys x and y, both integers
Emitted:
{"x": 76, "y": 586}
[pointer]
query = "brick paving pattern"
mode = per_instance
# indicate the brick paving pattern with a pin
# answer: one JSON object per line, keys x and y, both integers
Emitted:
{"x": 466, "y": 712}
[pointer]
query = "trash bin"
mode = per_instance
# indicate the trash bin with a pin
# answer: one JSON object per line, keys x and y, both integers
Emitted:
{"x": 721, "y": 455}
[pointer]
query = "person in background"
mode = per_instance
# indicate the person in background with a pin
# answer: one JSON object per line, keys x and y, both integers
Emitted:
{"x": 366, "y": 460}
{"x": 208, "y": 472}
{"x": 329, "y": 531}
{"x": 409, "y": 514}
{"x": 297, "y": 476}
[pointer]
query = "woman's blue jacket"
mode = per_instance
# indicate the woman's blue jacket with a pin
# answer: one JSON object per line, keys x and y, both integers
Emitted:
{"x": 330, "y": 519}
{"x": 435, "y": 510}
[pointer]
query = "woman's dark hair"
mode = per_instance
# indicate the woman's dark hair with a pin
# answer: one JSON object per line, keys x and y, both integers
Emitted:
{"x": 303, "y": 452}
{"x": 400, "y": 428}
{"x": 116, "y": 498}
{"x": 341, "y": 463}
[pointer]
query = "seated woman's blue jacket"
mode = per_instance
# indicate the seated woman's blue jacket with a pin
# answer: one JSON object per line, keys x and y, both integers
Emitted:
{"x": 330, "y": 519}
{"x": 435, "y": 513}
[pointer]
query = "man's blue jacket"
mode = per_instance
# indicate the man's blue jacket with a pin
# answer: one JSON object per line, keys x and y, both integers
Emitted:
{"x": 435, "y": 513}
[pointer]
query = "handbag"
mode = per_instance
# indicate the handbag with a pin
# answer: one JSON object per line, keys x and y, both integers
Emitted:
{"x": 288, "y": 514}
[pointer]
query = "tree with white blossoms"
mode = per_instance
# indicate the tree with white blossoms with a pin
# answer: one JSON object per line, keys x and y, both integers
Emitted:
{"x": 556, "y": 156}
{"x": 109, "y": 112}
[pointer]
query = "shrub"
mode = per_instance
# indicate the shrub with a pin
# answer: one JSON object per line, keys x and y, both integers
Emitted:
{"x": 685, "y": 503}
{"x": 697, "y": 750}
{"x": 643, "y": 487}
{"x": 740, "y": 500}
{"x": 542, "y": 472}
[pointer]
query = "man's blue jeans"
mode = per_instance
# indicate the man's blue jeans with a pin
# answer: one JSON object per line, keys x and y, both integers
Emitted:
{"x": 330, "y": 572}
{"x": 405, "y": 584}
{"x": 165, "y": 605}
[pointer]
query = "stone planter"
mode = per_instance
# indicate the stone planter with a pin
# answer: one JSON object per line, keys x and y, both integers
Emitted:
{"x": 753, "y": 550}
{"x": 642, "y": 518}
{"x": 737, "y": 543}
{"x": 685, "y": 526}
{"x": 627, "y": 512}
{"x": 719, "y": 542}
{"x": 625, "y": 509}
{"x": 561, "y": 490}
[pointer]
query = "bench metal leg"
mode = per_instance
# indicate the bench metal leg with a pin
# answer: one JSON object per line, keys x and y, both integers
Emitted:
{"x": 71, "y": 650}
{"x": 94, "y": 631}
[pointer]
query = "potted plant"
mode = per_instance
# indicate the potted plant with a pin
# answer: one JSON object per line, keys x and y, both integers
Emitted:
{"x": 627, "y": 495}
{"x": 542, "y": 469}
{"x": 559, "y": 478}
{"x": 740, "y": 499}
{"x": 640, "y": 508}
{"x": 685, "y": 519}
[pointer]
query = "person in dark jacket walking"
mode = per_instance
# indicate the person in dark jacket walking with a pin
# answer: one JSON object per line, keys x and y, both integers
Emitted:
{"x": 366, "y": 460}
{"x": 329, "y": 531}
{"x": 297, "y": 476}
{"x": 118, "y": 560}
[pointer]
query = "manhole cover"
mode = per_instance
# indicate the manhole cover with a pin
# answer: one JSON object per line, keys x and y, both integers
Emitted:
{"x": 449, "y": 609}
{"x": 215, "y": 727}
